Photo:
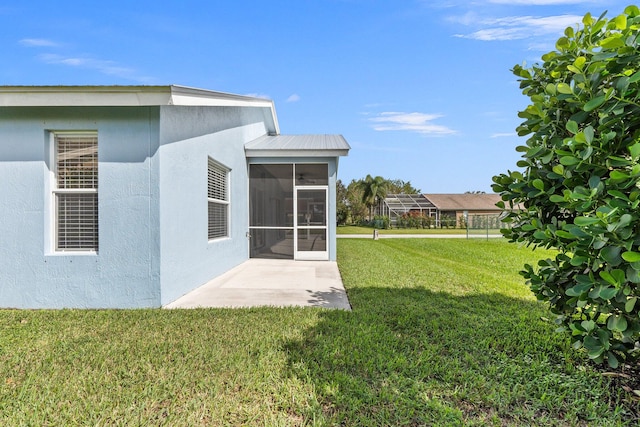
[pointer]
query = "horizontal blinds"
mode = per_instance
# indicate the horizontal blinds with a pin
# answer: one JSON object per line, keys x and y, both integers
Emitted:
{"x": 76, "y": 196}
{"x": 217, "y": 181}
{"x": 77, "y": 221}
{"x": 218, "y": 199}
{"x": 218, "y": 220}
{"x": 77, "y": 161}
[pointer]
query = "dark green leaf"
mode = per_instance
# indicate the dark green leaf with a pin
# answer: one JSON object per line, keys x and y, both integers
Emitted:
{"x": 612, "y": 360}
{"x": 591, "y": 343}
{"x": 589, "y": 134}
{"x": 588, "y": 325}
{"x": 594, "y": 103}
{"x": 565, "y": 235}
{"x": 569, "y": 160}
{"x": 586, "y": 220}
{"x": 533, "y": 152}
{"x": 578, "y": 260}
{"x": 618, "y": 176}
{"x": 540, "y": 235}
{"x": 538, "y": 183}
{"x": 624, "y": 221}
{"x": 572, "y": 127}
{"x": 611, "y": 254}
{"x": 608, "y": 293}
{"x": 578, "y": 290}
{"x": 618, "y": 194}
{"x": 617, "y": 323}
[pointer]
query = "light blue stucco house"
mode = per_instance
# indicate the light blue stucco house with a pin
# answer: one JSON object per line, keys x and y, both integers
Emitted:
{"x": 132, "y": 196}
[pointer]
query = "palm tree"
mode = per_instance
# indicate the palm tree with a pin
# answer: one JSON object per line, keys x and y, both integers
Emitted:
{"x": 373, "y": 190}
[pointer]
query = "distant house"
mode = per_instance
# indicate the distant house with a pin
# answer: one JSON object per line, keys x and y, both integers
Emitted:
{"x": 459, "y": 206}
{"x": 132, "y": 196}
{"x": 443, "y": 209}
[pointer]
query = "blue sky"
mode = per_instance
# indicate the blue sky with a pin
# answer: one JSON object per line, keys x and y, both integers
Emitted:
{"x": 422, "y": 90}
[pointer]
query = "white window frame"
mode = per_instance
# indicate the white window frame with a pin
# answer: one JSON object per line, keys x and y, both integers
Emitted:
{"x": 57, "y": 191}
{"x": 218, "y": 201}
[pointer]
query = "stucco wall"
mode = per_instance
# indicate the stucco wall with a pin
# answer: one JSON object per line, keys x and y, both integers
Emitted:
{"x": 152, "y": 203}
{"x": 125, "y": 271}
{"x": 189, "y": 135}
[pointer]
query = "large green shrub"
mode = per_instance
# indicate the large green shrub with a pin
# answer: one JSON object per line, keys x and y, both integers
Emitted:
{"x": 579, "y": 191}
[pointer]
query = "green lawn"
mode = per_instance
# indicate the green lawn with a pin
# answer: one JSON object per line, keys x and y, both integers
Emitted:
{"x": 442, "y": 332}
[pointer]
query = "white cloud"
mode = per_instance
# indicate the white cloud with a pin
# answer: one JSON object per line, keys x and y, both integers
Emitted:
{"x": 110, "y": 68}
{"x": 38, "y": 43}
{"x": 519, "y": 27}
{"x": 413, "y": 122}
{"x": 293, "y": 98}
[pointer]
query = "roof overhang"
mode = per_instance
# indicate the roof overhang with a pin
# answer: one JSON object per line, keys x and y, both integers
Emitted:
{"x": 121, "y": 96}
{"x": 297, "y": 146}
{"x": 126, "y": 96}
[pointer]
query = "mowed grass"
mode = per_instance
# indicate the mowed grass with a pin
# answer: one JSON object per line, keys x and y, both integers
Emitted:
{"x": 442, "y": 332}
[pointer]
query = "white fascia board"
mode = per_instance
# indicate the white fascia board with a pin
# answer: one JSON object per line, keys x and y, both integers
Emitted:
{"x": 296, "y": 153}
{"x": 83, "y": 96}
{"x": 189, "y": 100}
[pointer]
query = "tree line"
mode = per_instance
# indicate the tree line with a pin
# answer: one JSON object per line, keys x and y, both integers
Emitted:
{"x": 357, "y": 200}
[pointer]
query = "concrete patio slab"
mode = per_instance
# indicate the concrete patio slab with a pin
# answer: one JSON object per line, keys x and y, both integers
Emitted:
{"x": 268, "y": 282}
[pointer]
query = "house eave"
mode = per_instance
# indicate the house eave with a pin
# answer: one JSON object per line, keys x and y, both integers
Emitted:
{"x": 121, "y": 96}
{"x": 296, "y": 153}
{"x": 127, "y": 96}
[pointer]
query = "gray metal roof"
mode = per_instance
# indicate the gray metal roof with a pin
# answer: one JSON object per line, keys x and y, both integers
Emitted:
{"x": 297, "y": 145}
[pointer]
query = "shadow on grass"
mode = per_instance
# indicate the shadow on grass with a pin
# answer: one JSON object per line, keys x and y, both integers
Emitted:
{"x": 331, "y": 298}
{"x": 415, "y": 357}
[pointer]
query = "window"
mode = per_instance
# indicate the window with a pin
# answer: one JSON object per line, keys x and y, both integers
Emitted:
{"x": 75, "y": 191}
{"x": 218, "y": 200}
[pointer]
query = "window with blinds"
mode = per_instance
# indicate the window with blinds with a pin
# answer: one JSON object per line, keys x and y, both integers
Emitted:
{"x": 218, "y": 200}
{"x": 76, "y": 191}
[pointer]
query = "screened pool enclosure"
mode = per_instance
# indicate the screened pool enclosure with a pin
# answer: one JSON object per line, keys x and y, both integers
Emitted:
{"x": 397, "y": 205}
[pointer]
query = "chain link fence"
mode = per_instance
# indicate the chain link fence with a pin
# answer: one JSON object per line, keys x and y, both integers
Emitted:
{"x": 484, "y": 226}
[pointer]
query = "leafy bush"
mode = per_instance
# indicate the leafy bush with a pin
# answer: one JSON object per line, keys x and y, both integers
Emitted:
{"x": 462, "y": 222}
{"x": 580, "y": 188}
{"x": 448, "y": 221}
{"x": 381, "y": 222}
{"x": 413, "y": 219}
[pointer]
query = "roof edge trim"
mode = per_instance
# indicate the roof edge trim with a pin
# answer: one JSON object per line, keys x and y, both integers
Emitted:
{"x": 122, "y": 96}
